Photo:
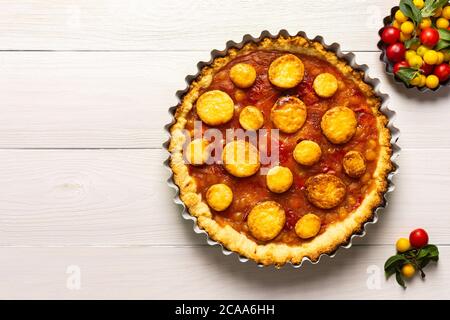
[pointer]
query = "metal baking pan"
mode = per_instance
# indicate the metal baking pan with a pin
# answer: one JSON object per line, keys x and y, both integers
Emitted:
{"x": 350, "y": 59}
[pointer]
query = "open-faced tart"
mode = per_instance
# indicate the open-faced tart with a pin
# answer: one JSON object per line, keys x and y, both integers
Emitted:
{"x": 332, "y": 146}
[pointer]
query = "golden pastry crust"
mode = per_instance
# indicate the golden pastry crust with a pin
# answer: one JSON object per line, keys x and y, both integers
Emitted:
{"x": 279, "y": 179}
{"x": 339, "y": 124}
{"x": 243, "y": 75}
{"x": 325, "y": 85}
{"x": 240, "y": 158}
{"x": 308, "y": 226}
{"x": 279, "y": 253}
{"x": 354, "y": 164}
{"x": 251, "y": 118}
{"x": 307, "y": 152}
{"x": 215, "y": 107}
{"x": 288, "y": 114}
{"x": 286, "y": 71}
{"x": 266, "y": 220}
{"x": 219, "y": 196}
{"x": 325, "y": 191}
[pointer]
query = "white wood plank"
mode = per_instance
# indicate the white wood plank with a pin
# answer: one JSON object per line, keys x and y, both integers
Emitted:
{"x": 60, "y": 194}
{"x": 181, "y": 25}
{"x": 204, "y": 273}
{"x": 87, "y": 99}
{"x": 120, "y": 197}
{"x": 120, "y": 99}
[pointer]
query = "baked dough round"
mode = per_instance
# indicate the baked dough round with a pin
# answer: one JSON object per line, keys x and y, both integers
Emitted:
{"x": 279, "y": 179}
{"x": 286, "y": 71}
{"x": 219, "y": 196}
{"x": 307, "y": 152}
{"x": 308, "y": 226}
{"x": 251, "y": 118}
{"x": 325, "y": 191}
{"x": 266, "y": 220}
{"x": 339, "y": 124}
{"x": 243, "y": 75}
{"x": 215, "y": 107}
{"x": 240, "y": 158}
{"x": 354, "y": 164}
{"x": 288, "y": 114}
{"x": 325, "y": 85}
{"x": 197, "y": 152}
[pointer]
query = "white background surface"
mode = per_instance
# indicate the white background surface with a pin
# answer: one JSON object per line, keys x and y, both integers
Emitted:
{"x": 84, "y": 92}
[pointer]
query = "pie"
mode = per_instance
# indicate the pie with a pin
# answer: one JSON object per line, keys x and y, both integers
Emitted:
{"x": 323, "y": 126}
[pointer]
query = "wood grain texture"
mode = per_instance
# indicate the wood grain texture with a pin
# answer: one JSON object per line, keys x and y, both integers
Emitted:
{"x": 99, "y": 76}
{"x": 120, "y": 99}
{"x": 204, "y": 273}
{"x": 181, "y": 25}
{"x": 120, "y": 197}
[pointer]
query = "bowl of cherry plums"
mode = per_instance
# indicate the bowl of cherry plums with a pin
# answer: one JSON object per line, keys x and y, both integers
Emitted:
{"x": 415, "y": 43}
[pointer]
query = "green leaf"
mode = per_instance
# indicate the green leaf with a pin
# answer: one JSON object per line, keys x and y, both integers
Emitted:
{"x": 394, "y": 264}
{"x": 394, "y": 261}
{"x": 444, "y": 34}
{"x": 441, "y": 45}
{"x": 433, "y": 252}
{"x": 425, "y": 255}
{"x": 407, "y": 74}
{"x": 422, "y": 253}
{"x": 431, "y": 6}
{"x": 411, "y": 42}
{"x": 423, "y": 262}
{"x": 432, "y": 249}
{"x": 429, "y": 251}
{"x": 389, "y": 272}
{"x": 399, "y": 278}
{"x": 410, "y": 10}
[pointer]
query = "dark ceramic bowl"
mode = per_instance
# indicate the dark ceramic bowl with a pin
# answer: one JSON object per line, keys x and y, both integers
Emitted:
{"x": 389, "y": 66}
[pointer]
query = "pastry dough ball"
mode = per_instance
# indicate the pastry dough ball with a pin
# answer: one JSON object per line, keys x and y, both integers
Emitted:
{"x": 354, "y": 164}
{"x": 215, "y": 107}
{"x": 288, "y": 114}
{"x": 197, "y": 152}
{"x": 339, "y": 124}
{"x": 251, "y": 118}
{"x": 307, "y": 152}
{"x": 286, "y": 71}
{"x": 243, "y": 75}
{"x": 219, "y": 196}
{"x": 240, "y": 158}
{"x": 308, "y": 226}
{"x": 279, "y": 179}
{"x": 325, "y": 85}
{"x": 266, "y": 220}
{"x": 325, "y": 191}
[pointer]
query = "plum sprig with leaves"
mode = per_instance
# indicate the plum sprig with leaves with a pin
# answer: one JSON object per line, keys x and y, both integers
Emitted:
{"x": 418, "y": 258}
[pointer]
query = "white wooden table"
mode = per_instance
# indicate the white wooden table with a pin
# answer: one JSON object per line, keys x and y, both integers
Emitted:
{"x": 85, "y": 211}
